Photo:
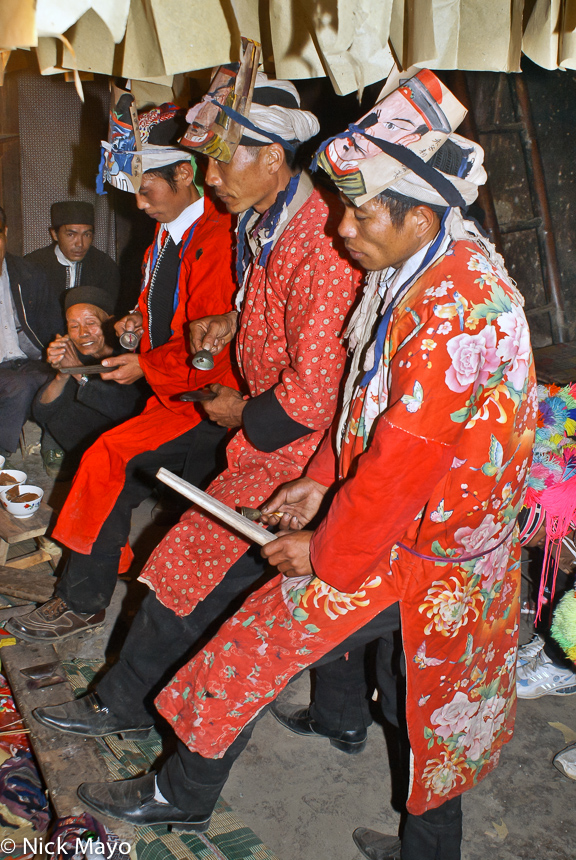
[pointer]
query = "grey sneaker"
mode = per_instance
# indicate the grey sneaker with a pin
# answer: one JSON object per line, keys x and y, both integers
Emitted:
{"x": 54, "y": 621}
{"x": 565, "y": 761}
{"x": 529, "y": 650}
{"x": 542, "y": 677}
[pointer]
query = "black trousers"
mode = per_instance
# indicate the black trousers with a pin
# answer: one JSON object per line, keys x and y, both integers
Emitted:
{"x": 341, "y": 703}
{"x": 87, "y": 582}
{"x": 19, "y": 381}
{"x": 159, "y": 642}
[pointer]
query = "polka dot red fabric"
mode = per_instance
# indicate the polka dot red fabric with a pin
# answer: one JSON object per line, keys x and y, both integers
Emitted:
{"x": 289, "y": 337}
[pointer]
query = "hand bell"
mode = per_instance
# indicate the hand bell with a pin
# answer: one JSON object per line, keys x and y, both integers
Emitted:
{"x": 203, "y": 360}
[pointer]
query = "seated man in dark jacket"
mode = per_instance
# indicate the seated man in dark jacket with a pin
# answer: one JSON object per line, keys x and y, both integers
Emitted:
{"x": 72, "y": 260}
{"x": 75, "y": 409}
{"x": 30, "y": 317}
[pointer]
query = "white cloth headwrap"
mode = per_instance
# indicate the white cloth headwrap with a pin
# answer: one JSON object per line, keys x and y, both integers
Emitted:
{"x": 411, "y": 185}
{"x": 287, "y": 123}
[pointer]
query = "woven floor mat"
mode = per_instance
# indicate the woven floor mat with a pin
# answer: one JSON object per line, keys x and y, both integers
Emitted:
{"x": 227, "y": 839}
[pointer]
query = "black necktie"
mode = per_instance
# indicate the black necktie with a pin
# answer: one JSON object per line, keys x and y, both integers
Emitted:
{"x": 161, "y": 293}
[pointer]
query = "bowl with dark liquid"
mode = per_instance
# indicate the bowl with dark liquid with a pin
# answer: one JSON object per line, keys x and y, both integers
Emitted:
{"x": 21, "y": 500}
{"x": 11, "y": 478}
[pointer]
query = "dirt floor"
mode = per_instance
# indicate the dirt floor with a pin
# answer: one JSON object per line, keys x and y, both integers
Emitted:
{"x": 304, "y": 798}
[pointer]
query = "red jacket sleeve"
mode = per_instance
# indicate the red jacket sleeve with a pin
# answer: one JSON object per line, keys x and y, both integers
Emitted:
{"x": 372, "y": 510}
{"x": 323, "y": 467}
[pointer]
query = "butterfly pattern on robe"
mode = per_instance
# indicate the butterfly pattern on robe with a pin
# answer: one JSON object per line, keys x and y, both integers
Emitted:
{"x": 413, "y": 401}
{"x": 494, "y": 465}
{"x": 440, "y": 515}
{"x": 451, "y": 309}
{"x": 422, "y": 661}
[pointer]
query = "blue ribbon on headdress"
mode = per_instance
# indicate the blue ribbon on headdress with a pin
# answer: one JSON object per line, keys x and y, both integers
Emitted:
{"x": 384, "y": 322}
{"x": 267, "y": 223}
{"x": 406, "y": 157}
{"x": 100, "y": 175}
{"x": 241, "y": 120}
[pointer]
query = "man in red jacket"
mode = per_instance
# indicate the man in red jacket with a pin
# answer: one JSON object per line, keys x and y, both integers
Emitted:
{"x": 187, "y": 273}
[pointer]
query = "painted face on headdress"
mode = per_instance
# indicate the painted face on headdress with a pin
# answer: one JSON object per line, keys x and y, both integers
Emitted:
{"x": 419, "y": 116}
{"x": 211, "y": 131}
{"x": 201, "y": 134}
{"x": 396, "y": 119}
{"x": 128, "y": 152}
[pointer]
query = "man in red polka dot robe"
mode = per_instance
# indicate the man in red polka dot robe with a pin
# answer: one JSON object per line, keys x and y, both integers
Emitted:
{"x": 297, "y": 290}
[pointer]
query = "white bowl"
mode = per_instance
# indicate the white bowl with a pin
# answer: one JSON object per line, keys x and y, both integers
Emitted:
{"x": 19, "y": 478}
{"x": 23, "y": 510}
{"x": 2, "y": 460}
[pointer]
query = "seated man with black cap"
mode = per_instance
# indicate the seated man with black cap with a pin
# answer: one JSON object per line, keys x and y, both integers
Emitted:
{"x": 30, "y": 319}
{"x": 72, "y": 260}
{"x": 75, "y": 409}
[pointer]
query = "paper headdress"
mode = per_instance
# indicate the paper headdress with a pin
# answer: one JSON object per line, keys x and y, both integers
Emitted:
{"x": 396, "y": 140}
{"x": 137, "y": 143}
{"x": 243, "y": 106}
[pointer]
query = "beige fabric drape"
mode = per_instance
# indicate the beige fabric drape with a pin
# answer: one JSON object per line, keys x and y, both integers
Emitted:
{"x": 350, "y": 41}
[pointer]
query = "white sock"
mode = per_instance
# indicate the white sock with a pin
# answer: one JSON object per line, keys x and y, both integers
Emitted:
{"x": 158, "y": 796}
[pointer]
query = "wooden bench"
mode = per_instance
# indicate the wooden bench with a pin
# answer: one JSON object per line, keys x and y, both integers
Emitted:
{"x": 14, "y": 531}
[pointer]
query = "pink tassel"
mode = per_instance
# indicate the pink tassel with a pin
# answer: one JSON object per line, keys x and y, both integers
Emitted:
{"x": 559, "y": 502}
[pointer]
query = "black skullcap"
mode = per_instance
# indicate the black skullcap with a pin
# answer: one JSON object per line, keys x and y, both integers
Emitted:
{"x": 89, "y": 296}
{"x": 451, "y": 159}
{"x": 71, "y": 212}
{"x": 169, "y": 131}
{"x": 269, "y": 96}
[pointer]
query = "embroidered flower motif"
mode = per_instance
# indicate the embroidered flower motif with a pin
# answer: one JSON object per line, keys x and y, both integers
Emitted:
{"x": 480, "y": 538}
{"x": 444, "y": 328}
{"x": 337, "y": 603}
{"x": 454, "y": 717}
{"x": 484, "y": 726}
{"x": 448, "y": 605}
{"x": 479, "y": 263}
{"x": 510, "y": 659}
{"x": 474, "y": 358}
{"x": 428, "y": 344}
{"x": 492, "y": 567}
{"x": 443, "y": 774}
{"x": 442, "y": 290}
{"x": 515, "y": 347}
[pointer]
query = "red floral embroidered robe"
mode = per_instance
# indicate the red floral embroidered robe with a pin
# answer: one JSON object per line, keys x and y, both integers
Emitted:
{"x": 442, "y": 475}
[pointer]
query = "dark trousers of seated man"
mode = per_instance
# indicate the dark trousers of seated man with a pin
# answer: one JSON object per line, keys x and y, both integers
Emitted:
{"x": 20, "y": 380}
{"x": 159, "y": 642}
{"x": 87, "y": 582}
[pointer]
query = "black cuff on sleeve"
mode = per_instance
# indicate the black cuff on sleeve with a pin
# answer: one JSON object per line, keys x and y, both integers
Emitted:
{"x": 266, "y": 424}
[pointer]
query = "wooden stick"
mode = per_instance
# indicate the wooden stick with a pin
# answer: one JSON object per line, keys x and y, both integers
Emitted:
{"x": 83, "y": 369}
{"x": 213, "y": 506}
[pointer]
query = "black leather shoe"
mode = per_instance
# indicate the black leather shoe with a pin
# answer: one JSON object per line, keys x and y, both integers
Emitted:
{"x": 377, "y": 846}
{"x": 89, "y": 716}
{"x": 298, "y": 720}
{"x": 132, "y": 800}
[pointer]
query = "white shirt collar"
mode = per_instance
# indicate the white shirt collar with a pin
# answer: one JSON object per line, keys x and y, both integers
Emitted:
{"x": 62, "y": 258}
{"x": 187, "y": 217}
{"x": 404, "y": 272}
